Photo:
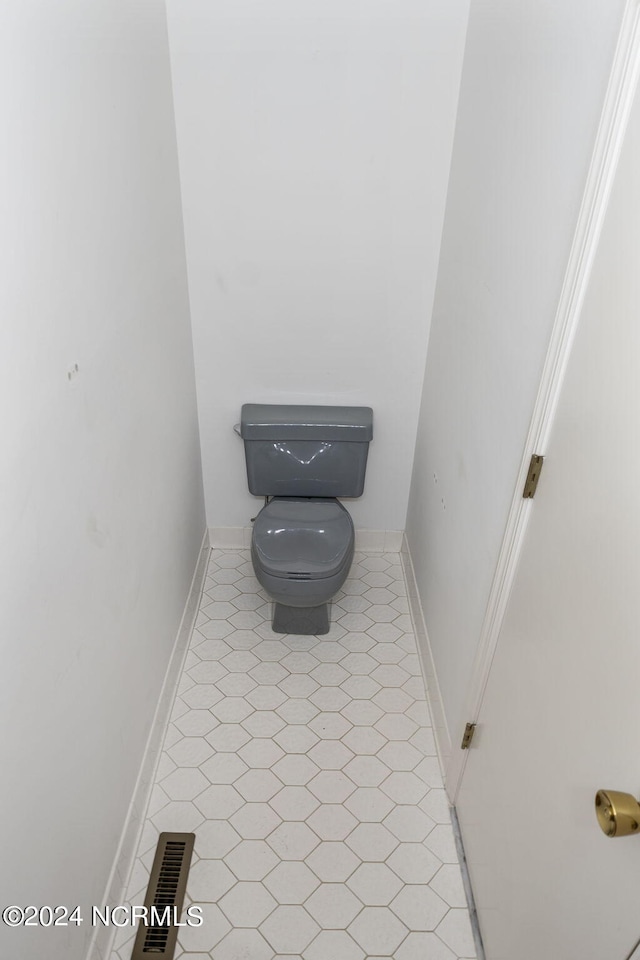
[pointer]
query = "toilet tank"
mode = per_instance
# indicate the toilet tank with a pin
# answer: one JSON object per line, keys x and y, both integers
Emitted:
{"x": 306, "y": 451}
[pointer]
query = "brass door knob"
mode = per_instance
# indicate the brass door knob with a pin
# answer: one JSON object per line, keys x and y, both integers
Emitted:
{"x": 618, "y": 813}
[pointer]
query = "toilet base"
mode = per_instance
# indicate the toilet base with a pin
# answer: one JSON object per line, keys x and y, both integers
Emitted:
{"x": 305, "y": 621}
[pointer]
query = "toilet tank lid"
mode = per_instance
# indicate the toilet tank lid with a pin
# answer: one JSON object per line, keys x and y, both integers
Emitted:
{"x": 275, "y": 421}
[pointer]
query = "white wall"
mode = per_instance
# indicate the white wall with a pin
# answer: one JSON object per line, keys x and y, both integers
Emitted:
{"x": 101, "y": 508}
{"x": 314, "y": 140}
{"x": 532, "y": 89}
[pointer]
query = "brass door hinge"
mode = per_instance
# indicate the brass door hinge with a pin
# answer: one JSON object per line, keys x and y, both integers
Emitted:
{"x": 467, "y": 736}
{"x": 533, "y": 476}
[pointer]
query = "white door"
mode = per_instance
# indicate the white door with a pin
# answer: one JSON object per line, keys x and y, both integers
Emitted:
{"x": 561, "y": 714}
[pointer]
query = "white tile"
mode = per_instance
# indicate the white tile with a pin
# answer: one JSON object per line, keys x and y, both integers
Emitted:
{"x": 331, "y": 786}
{"x": 378, "y": 931}
{"x": 330, "y": 754}
{"x": 257, "y": 786}
{"x": 295, "y": 770}
{"x": 247, "y": 904}
{"x": 294, "y": 803}
{"x": 369, "y": 804}
{"x": 330, "y": 698}
{"x": 364, "y": 740}
{"x": 408, "y": 823}
{"x": 263, "y": 723}
{"x": 296, "y": 739}
{"x": 228, "y": 737}
{"x": 261, "y": 752}
{"x": 448, "y": 884}
{"x": 215, "y": 838}
{"x": 255, "y": 821}
{"x": 251, "y": 860}
{"x": 441, "y": 842}
{"x": 375, "y": 884}
{"x": 185, "y": 783}
{"x": 330, "y": 726}
{"x": 419, "y": 946}
{"x": 332, "y": 821}
{"x": 196, "y": 723}
{"x": 291, "y": 882}
{"x": 366, "y": 771}
{"x": 419, "y": 907}
{"x": 455, "y": 930}
{"x": 242, "y": 945}
{"x": 209, "y": 880}
{"x": 372, "y": 841}
{"x": 205, "y": 937}
{"x": 315, "y": 764}
{"x": 218, "y": 802}
{"x": 414, "y": 863}
{"x": 289, "y": 929}
{"x": 333, "y": 906}
{"x": 266, "y": 697}
{"x": 333, "y": 861}
{"x": 293, "y": 840}
{"x": 297, "y": 710}
{"x": 333, "y": 944}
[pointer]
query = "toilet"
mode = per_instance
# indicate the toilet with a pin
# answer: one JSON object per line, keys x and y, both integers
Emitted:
{"x": 301, "y": 459}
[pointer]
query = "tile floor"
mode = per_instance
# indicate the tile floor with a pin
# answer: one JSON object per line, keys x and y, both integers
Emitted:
{"x": 307, "y": 768}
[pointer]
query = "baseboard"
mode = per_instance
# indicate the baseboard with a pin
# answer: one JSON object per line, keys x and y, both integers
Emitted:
{"x": 100, "y": 945}
{"x": 367, "y": 541}
{"x": 436, "y": 705}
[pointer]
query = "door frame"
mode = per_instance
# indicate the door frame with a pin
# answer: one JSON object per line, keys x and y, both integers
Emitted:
{"x": 618, "y": 101}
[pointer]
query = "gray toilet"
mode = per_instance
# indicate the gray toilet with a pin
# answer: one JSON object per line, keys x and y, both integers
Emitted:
{"x": 301, "y": 458}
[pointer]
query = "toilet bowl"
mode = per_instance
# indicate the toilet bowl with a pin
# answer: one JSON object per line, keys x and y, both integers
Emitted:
{"x": 303, "y": 538}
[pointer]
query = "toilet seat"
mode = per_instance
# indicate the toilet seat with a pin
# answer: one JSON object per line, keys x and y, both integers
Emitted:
{"x": 301, "y": 539}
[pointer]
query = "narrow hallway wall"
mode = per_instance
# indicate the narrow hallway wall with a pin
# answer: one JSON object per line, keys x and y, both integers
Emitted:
{"x": 533, "y": 86}
{"x": 101, "y": 507}
{"x": 314, "y": 140}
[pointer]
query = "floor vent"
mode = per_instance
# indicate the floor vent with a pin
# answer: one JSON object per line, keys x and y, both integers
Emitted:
{"x": 156, "y": 940}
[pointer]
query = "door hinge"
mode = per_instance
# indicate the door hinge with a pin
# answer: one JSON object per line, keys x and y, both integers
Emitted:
{"x": 533, "y": 476}
{"x": 467, "y": 736}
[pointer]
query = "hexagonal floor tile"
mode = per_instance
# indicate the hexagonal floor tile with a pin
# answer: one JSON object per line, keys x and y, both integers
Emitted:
{"x": 330, "y": 726}
{"x": 215, "y": 838}
{"x": 228, "y": 737}
{"x": 331, "y": 786}
{"x": 293, "y": 840}
{"x": 185, "y": 783}
{"x": 378, "y": 931}
{"x": 218, "y": 802}
{"x": 251, "y": 860}
{"x": 261, "y": 752}
{"x": 289, "y": 930}
{"x": 291, "y": 882}
{"x": 332, "y": 821}
{"x": 334, "y": 944}
{"x": 333, "y": 906}
{"x": 224, "y": 768}
{"x": 333, "y": 861}
{"x": 375, "y": 884}
{"x": 296, "y": 738}
{"x": 372, "y": 841}
{"x": 417, "y": 946}
{"x": 255, "y": 821}
{"x": 409, "y": 823}
{"x": 258, "y": 786}
{"x": 203, "y": 938}
{"x": 294, "y": 803}
{"x": 330, "y": 754}
{"x": 209, "y": 880}
{"x": 247, "y": 904}
{"x": 243, "y": 945}
{"x": 414, "y": 863}
{"x": 369, "y": 804}
{"x": 419, "y": 907}
{"x": 295, "y": 769}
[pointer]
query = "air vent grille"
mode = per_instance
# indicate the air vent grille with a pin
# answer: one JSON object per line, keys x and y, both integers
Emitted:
{"x": 167, "y": 887}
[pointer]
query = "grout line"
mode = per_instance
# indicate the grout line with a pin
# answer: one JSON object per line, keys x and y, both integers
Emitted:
{"x": 466, "y": 880}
